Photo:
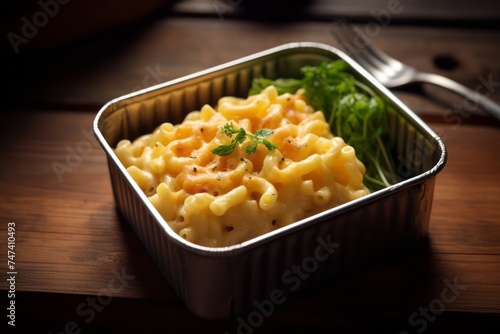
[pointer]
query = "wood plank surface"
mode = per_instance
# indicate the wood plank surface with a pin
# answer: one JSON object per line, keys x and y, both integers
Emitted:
{"x": 143, "y": 55}
{"x": 72, "y": 242}
{"x": 72, "y": 246}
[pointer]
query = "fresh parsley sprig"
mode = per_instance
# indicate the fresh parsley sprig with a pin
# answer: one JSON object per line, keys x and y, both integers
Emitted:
{"x": 259, "y": 138}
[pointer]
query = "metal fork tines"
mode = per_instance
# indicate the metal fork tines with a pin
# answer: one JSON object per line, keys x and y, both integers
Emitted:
{"x": 392, "y": 73}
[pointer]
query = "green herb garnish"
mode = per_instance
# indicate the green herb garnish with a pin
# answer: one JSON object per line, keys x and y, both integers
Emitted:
{"x": 282, "y": 85}
{"x": 355, "y": 113}
{"x": 241, "y": 134}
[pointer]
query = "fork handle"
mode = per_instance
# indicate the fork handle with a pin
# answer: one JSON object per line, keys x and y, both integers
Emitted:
{"x": 478, "y": 99}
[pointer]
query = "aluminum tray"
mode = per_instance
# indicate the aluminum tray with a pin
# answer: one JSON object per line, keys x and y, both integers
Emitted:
{"x": 216, "y": 283}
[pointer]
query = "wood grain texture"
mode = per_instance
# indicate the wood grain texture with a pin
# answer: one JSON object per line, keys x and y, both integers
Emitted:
{"x": 143, "y": 55}
{"x": 71, "y": 244}
{"x": 72, "y": 248}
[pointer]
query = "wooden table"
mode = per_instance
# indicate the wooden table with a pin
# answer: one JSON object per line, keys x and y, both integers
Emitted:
{"x": 79, "y": 267}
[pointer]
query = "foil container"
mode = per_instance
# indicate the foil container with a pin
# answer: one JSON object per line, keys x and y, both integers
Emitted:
{"x": 257, "y": 275}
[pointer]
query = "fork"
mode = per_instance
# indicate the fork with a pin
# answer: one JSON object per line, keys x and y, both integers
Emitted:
{"x": 393, "y": 73}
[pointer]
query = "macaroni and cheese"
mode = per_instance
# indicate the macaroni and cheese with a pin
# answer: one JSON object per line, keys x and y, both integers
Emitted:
{"x": 217, "y": 201}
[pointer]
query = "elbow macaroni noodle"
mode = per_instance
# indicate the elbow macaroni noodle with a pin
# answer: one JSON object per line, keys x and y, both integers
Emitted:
{"x": 220, "y": 201}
